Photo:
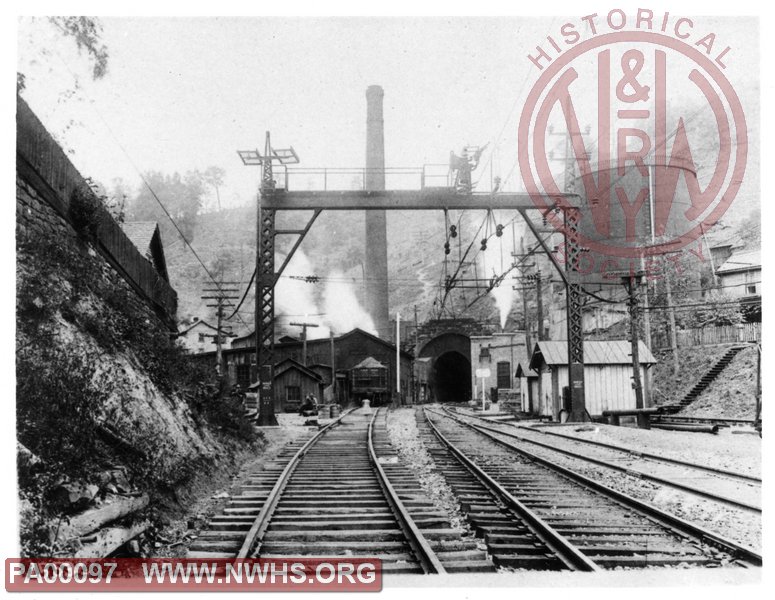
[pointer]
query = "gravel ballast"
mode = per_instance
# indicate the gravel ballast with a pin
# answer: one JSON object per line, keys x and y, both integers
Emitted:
{"x": 741, "y": 527}
{"x": 405, "y": 437}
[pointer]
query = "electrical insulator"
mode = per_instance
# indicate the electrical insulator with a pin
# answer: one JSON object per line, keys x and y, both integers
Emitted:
{"x": 446, "y": 247}
{"x": 484, "y": 245}
{"x": 453, "y": 231}
{"x": 499, "y": 230}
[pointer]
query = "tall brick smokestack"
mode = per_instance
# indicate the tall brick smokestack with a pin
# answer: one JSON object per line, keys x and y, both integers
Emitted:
{"x": 376, "y": 267}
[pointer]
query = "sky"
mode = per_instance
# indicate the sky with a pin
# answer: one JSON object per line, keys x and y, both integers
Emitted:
{"x": 187, "y": 93}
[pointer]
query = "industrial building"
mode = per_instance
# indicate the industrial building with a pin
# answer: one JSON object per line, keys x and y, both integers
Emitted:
{"x": 340, "y": 354}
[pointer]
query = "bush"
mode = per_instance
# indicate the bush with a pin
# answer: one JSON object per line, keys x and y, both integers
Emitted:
{"x": 59, "y": 397}
{"x": 85, "y": 212}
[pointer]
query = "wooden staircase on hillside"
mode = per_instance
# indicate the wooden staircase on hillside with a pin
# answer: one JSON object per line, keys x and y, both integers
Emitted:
{"x": 703, "y": 383}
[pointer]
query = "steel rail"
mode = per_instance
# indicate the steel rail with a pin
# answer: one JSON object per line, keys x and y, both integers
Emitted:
{"x": 637, "y": 453}
{"x": 555, "y": 541}
{"x": 648, "y": 455}
{"x": 676, "y": 524}
{"x": 257, "y": 530}
{"x": 422, "y": 550}
{"x": 634, "y": 472}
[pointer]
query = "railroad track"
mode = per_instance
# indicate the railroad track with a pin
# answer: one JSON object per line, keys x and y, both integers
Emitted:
{"x": 341, "y": 493}
{"x": 516, "y": 537}
{"x": 608, "y": 527}
{"x": 699, "y": 480}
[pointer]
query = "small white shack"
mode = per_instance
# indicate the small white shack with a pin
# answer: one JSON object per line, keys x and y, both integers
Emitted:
{"x": 499, "y": 354}
{"x": 607, "y": 375}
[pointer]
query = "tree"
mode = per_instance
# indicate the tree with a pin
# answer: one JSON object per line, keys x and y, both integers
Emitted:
{"x": 214, "y": 176}
{"x": 716, "y": 309}
{"x": 117, "y": 199}
{"x": 86, "y": 32}
{"x": 181, "y": 196}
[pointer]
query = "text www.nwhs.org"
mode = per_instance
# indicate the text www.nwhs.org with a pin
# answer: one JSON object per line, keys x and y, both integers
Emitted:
{"x": 356, "y": 574}
{"x": 261, "y": 573}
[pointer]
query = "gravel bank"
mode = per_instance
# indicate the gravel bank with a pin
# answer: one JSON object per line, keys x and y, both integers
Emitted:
{"x": 733, "y": 393}
{"x": 739, "y": 453}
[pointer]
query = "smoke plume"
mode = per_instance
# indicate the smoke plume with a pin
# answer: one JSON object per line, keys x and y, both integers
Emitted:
{"x": 343, "y": 311}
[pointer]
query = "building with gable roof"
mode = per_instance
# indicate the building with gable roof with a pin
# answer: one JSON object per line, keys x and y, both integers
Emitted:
{"x": 607, "y": 376}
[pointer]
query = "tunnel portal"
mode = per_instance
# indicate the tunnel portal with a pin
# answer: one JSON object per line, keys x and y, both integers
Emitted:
{"x": 449, "y": 379}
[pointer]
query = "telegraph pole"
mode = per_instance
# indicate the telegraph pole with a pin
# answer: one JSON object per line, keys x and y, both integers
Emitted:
{"x": 222, "y": 299}
{"x": 539, "y": 306}
{"x": 304, "y": 339}
{"x": 632, "y": 282}
{"x": 671, "y": 320}
{"x": 526, "y": 320}
{"x": 333, "y": 367}
{"x": 416, "y": 355}
{"x": 398, "y": 358}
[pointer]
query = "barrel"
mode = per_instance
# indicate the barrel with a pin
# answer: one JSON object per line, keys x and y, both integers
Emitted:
{"x": 334, "y": 411}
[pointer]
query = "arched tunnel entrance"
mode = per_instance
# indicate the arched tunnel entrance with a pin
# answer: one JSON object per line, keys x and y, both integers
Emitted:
{"x": 449, "y": 376}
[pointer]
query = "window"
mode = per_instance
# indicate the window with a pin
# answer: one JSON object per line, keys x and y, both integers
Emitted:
{"x": 293, "y": 393}
{"x": 504, "y": 375}
{"x": 484, "y": 354}
{"x": 751, "y": 289}
{"x": 243, "y": 375}
{"x": 201, "y": 337}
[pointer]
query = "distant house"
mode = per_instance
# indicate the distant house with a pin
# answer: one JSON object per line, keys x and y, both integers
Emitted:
{"x": 199, "y": 336}
{"x": 146, "y": 237}
{"x": 741, "y": 274}
{"x": 607, "y": 375}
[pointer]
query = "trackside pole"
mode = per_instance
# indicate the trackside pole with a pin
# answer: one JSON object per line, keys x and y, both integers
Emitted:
{"x": 398, "y": 358}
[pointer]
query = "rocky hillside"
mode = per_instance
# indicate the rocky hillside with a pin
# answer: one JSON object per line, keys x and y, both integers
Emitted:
{"x": 111, "y": 417}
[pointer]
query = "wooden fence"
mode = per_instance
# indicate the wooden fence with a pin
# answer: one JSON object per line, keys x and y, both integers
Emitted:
{"x": 43, "y": 163}
{"x": 708, "y": 336}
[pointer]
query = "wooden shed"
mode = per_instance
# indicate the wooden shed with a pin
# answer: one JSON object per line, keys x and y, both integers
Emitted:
{"x": 292, "y": 382}
{"x": 528, "y": 387}
{"x": 607, "y": 375}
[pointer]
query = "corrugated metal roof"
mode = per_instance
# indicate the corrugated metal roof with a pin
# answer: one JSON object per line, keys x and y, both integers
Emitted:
{"x": 595, "y": 353}
{"x": 742, "y": 261}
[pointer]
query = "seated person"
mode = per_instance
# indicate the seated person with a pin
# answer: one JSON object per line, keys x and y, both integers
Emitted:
{"x": 308, "y": 408}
